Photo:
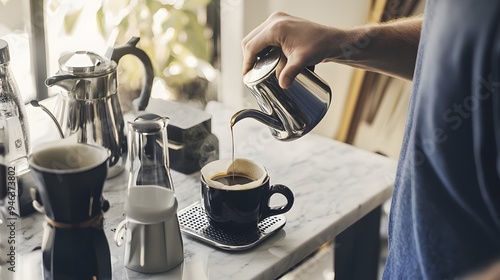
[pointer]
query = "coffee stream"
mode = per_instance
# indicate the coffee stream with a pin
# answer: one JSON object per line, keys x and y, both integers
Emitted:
{"x": 236, "y": 178}
{"x": 231, "y": 125}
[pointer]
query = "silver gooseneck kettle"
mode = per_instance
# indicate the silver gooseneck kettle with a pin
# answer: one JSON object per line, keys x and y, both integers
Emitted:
{"x": 90, "y": 109}
{"x": 289, "y": 113}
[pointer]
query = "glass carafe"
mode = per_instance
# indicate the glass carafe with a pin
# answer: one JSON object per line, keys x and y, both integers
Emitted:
{"x": 4, "y": 230}
{"x": 15, "y": 136}
{"x": 148, "y": 152}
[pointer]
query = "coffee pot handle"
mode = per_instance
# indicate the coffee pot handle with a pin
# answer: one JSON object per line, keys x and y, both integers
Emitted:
{"x": 287, "y": 193}
{"x": 130, "y": 48}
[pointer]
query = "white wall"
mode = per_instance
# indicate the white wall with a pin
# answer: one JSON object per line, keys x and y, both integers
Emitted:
{"x": 239, "y": 17}
{"x": 14, "y": 26}
{"x": 11, "y": 16}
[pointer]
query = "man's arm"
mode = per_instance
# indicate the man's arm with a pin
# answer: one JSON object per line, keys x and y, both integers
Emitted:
{"x": 389, "y": 48}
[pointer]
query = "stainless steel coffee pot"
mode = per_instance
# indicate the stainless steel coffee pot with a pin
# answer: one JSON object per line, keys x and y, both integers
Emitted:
{"x": 289, "y": 113}
{"x": 90, "y": 109}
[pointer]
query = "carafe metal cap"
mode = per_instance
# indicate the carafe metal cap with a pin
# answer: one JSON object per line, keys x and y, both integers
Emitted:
{"x": 4, "y": 52}
{"x": 267, "y": 60}
{"x": 149, "y": 123}
{"x": 84, "y": 63}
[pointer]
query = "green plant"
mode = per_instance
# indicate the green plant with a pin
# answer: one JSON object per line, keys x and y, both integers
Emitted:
{"x": 170, "y": 33}
{"x": 170, "y": 30}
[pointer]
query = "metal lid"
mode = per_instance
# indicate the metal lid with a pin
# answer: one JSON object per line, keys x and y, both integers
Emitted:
{"x": 85, "y": 63}
{"x": 149, "y": 123}
{"x": 267, "y": 61}
{"x": 4, "y": 52}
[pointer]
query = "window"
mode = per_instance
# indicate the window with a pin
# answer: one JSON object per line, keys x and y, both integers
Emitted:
{"x": 13, "y": 30}
{"x": 174, "y": 33}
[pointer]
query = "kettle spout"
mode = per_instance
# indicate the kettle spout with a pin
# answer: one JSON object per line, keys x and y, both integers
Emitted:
{"x": 259, "y": 116}
{"x": 35, "y": 103}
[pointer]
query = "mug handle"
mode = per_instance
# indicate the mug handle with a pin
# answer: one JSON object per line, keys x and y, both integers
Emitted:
{"x": 287, "y": 193}
{"x": 38, "y": 207}
{"x": 120, "y": 232}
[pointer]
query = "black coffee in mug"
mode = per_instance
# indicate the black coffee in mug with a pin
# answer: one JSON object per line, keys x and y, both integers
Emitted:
{"x": 232, "y": 179}
{"x": 238, "y": 204}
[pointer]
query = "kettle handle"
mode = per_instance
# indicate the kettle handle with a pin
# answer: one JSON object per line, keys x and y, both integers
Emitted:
{"x": 130, "y": 48}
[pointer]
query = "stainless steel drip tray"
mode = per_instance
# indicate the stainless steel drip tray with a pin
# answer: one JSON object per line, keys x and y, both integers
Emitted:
{"x": 194, "y": 222}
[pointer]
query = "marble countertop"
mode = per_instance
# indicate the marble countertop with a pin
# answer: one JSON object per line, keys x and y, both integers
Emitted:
{"x": 334, "y": 184}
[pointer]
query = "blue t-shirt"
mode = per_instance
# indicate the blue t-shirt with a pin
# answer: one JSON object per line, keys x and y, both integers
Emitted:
{"x": 445, "y": 215}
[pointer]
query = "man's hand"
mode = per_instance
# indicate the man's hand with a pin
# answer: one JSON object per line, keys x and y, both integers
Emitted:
{"x": 302, "y": 42}
{"x": 389, "y": 48}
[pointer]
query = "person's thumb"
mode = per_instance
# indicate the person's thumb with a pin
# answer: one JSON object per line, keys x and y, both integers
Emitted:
{"x": 289, "y": 72}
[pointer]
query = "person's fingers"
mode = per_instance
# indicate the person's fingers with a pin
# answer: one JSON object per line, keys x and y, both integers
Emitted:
{"x": 292, "y": 68}
{"x": 248, "y": 62}
{"x": 281, "y": 65}
{"x": 249, "y": 51}
{"x": 253, "y": 33}
{"x": 273, "y": 17}
{"x": 254, "y": 46}
{"x": 259, "y": 38}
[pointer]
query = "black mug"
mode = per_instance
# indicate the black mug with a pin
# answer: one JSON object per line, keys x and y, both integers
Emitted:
{"x": 236, "y": 195}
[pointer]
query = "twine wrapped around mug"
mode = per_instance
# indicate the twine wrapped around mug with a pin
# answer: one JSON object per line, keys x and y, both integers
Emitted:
{"x": 96, "y": 222}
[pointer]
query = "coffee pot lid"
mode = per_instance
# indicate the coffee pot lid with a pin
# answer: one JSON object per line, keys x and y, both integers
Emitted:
{"x": 150, "y": 204}
{"x": 267, "y": 60}
{"x": 85, "y": 63}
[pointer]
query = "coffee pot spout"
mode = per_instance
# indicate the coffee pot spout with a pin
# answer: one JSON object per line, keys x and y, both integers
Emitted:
{"x": 65, "y": 81}
{"x": 259, "y": 116}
